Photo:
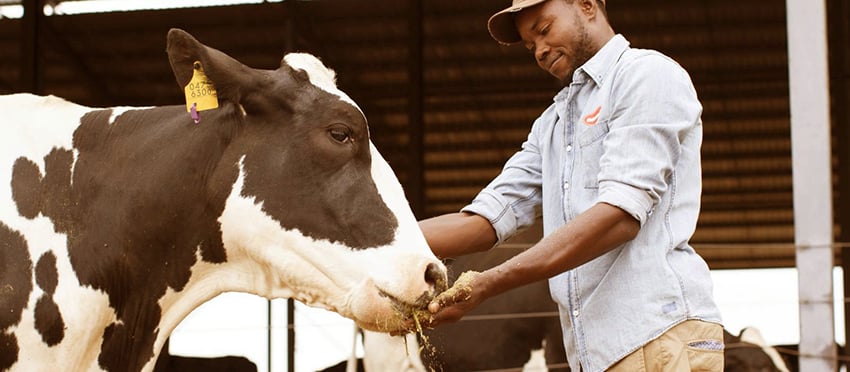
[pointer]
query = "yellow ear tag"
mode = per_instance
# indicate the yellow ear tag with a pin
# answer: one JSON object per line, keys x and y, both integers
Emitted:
{"x": 200, "y": 92}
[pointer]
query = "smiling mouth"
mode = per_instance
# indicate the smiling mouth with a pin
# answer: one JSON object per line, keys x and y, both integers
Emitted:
{"x": 554, "y": 61}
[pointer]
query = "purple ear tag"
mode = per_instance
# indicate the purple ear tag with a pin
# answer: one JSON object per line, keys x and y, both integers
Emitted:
{"x": 196, "y": 116}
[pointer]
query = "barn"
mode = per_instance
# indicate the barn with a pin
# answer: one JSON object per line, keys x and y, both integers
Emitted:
{"x": 447, "y": 106}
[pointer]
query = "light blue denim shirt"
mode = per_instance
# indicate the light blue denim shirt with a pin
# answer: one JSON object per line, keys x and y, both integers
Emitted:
{"x": 627, "y": 132}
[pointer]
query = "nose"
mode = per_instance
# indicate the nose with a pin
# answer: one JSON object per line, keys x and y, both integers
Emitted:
{"x": 435, "y": 276}
{"x": 540, "y": 53}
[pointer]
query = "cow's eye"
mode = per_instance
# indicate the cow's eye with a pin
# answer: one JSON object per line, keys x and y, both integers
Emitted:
{"x": 340, "y": 134}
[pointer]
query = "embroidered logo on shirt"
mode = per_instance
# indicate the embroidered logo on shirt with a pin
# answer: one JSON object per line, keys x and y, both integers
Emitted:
{"x": 593, "y": 117}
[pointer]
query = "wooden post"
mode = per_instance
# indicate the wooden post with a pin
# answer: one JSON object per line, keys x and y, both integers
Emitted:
{"x": 812, "y": 177}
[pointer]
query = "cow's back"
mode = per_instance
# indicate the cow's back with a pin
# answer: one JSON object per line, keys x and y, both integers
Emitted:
{"x": 37, "y": 277}
{"x": 31, "y": 127}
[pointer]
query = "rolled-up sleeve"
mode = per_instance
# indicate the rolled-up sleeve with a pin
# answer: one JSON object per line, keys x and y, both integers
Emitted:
{"x": 512, "y": 201}
{"x": 655, "y": 109}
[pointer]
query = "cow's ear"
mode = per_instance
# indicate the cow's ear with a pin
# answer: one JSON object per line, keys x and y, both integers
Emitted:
{"x": 231, "y": 78}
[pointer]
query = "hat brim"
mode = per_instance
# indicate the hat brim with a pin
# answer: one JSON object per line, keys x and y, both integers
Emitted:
{"x": 501, "y": 25}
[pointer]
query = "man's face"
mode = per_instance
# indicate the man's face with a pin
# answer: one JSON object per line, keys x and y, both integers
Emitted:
{"x": 556, "y": 33}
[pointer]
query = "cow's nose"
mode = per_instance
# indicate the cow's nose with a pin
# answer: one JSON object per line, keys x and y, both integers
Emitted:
{"x": 435, "y": 276}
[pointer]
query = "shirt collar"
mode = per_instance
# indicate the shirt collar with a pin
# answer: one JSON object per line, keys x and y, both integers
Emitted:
{"x": 598, "y": 66}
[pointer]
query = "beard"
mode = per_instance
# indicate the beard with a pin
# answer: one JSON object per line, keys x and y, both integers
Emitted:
{"x": 582, "y": 51}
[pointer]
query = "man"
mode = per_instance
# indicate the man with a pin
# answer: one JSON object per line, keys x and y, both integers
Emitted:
{"x": 613, "y": 166}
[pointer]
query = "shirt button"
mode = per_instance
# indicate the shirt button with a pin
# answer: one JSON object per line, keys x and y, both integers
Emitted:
{"x": 575, "y": 313}
{"x": 566, "y": 185}
{"x": 569, "y": 148}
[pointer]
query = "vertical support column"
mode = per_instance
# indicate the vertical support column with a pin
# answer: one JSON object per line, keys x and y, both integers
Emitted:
{"x": 810, "y": 149}
{"x": 415, "y": 186}
{"x": 291, "y": 27}
{"x": 32, "y": 69}
{"x": 290, "y": 335}
{"x": 269, "y": 324}
{"x": 839, "y": 65}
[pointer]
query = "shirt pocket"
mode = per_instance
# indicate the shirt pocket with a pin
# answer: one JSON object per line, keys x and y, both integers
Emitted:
{"x": 590, "y": 144}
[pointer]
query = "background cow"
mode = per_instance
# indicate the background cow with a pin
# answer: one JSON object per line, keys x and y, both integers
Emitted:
{"x": 116, "y": 223}
{"x": 748, "y": 352}
{"x": 178, "y": 363}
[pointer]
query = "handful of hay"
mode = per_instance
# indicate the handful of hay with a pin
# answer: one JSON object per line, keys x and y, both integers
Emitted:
{"x": 422, "y": 317}
{"x": 459, "y": 291}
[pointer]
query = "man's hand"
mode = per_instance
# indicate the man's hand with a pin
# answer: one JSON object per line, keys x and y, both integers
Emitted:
{"x": 448, "y": 306}
{"x": 451, "y": 305}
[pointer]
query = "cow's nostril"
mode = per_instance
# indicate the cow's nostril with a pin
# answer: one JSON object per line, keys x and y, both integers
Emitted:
{"x": 436, "y": 277}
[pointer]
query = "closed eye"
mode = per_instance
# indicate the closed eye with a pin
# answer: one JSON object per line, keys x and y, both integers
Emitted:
{"x": 340, "y": 134}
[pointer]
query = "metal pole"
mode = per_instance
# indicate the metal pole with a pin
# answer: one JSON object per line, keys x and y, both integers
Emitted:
{"x": 415, "y": 186}
{"x": 290, "y": 333}
{"x": 839, "y": 38}
{"x": 32, "y": 69}
{"x": 269, "y": 335}
{"x": 291, "y": 27}
{"x": 810, "y": 150}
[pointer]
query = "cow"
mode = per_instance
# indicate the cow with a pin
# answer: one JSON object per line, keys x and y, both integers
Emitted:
{"x": 749, "y": 352}
{"x": 115, "y": 223}
{"x": 178, "y": 363}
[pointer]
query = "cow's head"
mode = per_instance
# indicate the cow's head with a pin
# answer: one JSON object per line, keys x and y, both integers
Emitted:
{"x": 312, "y": 211}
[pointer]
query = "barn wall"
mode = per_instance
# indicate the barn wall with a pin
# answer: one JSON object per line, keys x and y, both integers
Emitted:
{"x": 478, "y": 99}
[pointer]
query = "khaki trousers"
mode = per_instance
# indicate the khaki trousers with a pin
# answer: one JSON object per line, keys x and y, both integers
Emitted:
{"x": 692, "y": 345}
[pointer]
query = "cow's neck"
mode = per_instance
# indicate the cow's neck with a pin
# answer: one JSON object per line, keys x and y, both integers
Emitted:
{"x": 291, "y": 267}
{"x": 151, "y": 169}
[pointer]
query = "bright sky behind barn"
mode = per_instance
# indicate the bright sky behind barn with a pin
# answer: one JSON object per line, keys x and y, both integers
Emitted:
{"x": 13, "y": 9}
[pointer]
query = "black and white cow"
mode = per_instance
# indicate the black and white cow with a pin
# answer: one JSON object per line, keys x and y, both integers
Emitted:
{"x": 749, "y": 352}
{"x": 115, "y": 223}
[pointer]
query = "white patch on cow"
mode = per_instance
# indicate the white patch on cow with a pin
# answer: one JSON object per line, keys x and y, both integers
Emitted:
{"x": 320, "y": 75}
{"x": 536, "y": 362}
{"x": 269, "y": 261}
{"x": 753, "y": 336}
{"x": 118, "y": 111}
{"x": 85, "y": 312}
{"x": 382, "y": 352}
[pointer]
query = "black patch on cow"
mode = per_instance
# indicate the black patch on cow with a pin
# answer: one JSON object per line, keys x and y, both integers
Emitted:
{"x": 147, "y": 191}
{"x": 48, "y": 319}
{"x": 49, "y": 195}
{"x": 8, "y": 350}
{"x": 15, "y": 288}
{"x": 46, "y": 275}
{"x": 304, "y": 177}
{"x": 26, "y": 187}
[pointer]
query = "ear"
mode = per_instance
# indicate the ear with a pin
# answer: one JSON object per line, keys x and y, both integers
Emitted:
{"x": 588, "y": 7}
{"x": 232, "y": 79}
